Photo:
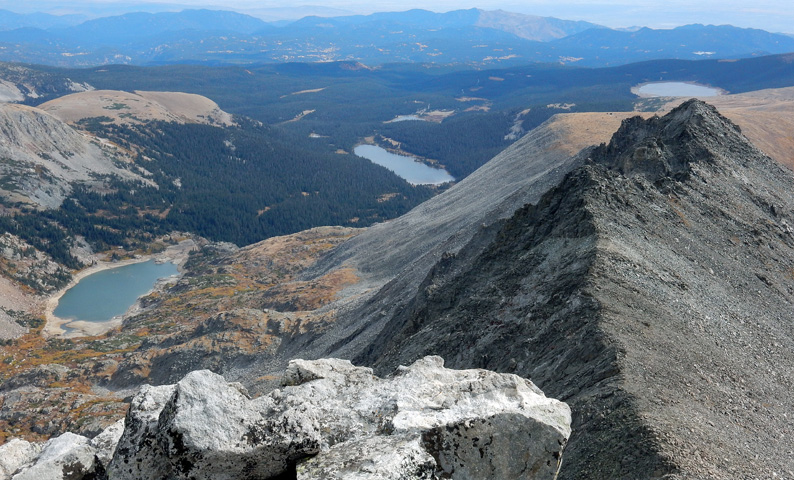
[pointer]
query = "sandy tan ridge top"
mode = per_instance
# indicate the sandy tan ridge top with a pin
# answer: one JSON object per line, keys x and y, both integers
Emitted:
{"x": 766, "y": 117}
{"x": 138, "y": 107}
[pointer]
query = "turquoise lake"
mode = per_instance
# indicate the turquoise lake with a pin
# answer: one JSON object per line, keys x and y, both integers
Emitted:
{"x": 406, "y": 167}
{"x": 103, "y": 295}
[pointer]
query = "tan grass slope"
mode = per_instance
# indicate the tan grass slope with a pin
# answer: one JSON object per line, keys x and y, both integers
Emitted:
{"x": 766, "y": 118}
{"x": 138, "y": 107}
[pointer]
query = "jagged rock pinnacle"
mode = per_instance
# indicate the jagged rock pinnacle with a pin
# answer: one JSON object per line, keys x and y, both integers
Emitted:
{"x": 666, "y": 146}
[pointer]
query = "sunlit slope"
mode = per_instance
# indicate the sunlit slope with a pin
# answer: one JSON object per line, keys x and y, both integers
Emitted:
{"x": 138, "y": 107}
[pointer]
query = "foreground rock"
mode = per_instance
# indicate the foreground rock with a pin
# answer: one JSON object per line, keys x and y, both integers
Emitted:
{"x": 333, "y": 420}
{"x": 67, "y": 457}
{"x": 15, "y": 454}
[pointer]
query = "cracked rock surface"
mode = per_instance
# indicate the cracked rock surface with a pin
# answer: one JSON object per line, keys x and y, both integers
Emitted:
{"x": 332, "y": 420}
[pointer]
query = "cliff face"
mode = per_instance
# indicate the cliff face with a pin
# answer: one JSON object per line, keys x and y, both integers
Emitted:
{"x": 651, "y": 290}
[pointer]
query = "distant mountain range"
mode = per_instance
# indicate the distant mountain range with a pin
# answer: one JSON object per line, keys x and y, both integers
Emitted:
{"x": 472, "y": 37}
{"x": 13, "y": 21}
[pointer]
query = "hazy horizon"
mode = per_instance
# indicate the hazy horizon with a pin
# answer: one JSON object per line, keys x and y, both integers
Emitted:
{"x": 771, "y": 15}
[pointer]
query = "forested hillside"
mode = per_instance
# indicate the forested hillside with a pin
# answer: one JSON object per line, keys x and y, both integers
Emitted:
{"x": 239, "y": 185}
{"x": 343, "y": 102}
{"x": 291, "y": 172}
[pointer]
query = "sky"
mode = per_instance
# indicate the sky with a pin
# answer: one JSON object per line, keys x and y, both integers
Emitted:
{"x": 771, "y": 15}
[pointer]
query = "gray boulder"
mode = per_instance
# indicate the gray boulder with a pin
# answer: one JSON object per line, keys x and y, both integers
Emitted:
{"x": 332, "y": 420}
{"x": 382, "y": 457}
{"x": 67, "y": 456}
{"x": 138, "y": 450}
{"x": 105, "y": 443}
{"x": 15, "y": 454}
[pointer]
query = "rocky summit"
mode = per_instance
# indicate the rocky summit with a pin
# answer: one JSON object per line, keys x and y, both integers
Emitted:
{"x": 329, "y": 420}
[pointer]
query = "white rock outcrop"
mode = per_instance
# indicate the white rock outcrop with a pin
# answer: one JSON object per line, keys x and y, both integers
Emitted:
{"x": 16, "y": 454}
{"x": 105, "y": 443}
{"x": 333, "y": 420}
{"x": 67, "y": 456}
{"x": 330, "y": 421}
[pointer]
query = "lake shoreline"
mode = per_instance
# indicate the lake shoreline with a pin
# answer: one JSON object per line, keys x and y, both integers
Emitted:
{"x": 54, "y": 326}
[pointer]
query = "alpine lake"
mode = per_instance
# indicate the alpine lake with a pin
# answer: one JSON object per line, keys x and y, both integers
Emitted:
{"x": 408, "y": 168}
{"x": 109, "y": 293}
{"x": 676, "y": 89}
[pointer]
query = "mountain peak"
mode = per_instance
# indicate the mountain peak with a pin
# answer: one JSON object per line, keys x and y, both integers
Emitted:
{"x": 660, "y": 147}
{"x": 630, "y": 287}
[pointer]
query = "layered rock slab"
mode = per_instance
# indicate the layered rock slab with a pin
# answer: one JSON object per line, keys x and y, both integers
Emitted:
{"x": 333, "y": 420}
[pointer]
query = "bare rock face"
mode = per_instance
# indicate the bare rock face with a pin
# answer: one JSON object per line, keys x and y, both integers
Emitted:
{"x": 41, "y": 157}
{"x": 138, "y": 441}
{"x": 393, "y": 457}
{"x": 333, "y": 420}
{"x": 105, "y": 443}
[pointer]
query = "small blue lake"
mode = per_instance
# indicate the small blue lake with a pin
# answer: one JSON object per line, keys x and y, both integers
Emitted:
{"x": 408, "y": 168}
{"x": 406, "y": 118}
{"x": 108, "y": 293}
{"x": 677, "y": 89}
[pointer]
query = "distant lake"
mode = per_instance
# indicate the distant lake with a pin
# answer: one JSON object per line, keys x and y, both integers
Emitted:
{"x": 404, "y": 118}
{"x": 108, "y": 293}
{"x": 408, "y": 168}
{"x": 677, "y": 89}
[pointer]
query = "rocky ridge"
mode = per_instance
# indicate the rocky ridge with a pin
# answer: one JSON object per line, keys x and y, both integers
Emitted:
{"x": 765, "y": 117}
{"x": 330, "y": 420}
{"x": 633, "y": 291}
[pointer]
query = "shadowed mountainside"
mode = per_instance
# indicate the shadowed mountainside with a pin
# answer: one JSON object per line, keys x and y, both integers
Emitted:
{"x": 633, "y": 291}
